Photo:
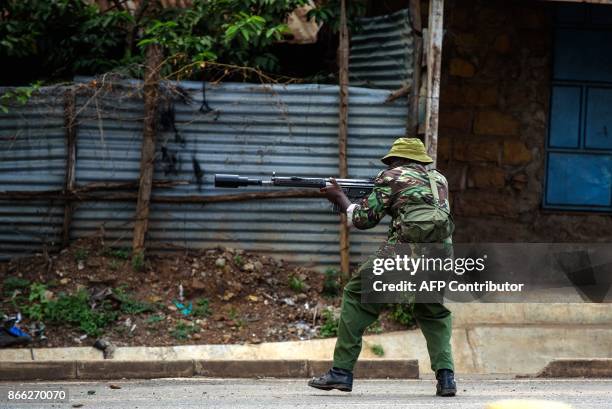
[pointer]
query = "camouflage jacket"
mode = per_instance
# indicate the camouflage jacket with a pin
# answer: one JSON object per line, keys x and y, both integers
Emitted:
{"x": 394, "y": 188}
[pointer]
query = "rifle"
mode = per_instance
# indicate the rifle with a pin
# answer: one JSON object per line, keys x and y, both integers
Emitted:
{"x": 354, "y": 189}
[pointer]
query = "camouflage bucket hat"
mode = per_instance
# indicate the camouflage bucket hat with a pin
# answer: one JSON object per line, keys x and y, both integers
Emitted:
{"x": 409, "y": 148}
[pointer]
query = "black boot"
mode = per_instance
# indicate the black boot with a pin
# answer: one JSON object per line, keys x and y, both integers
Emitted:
{"x": 446, "y": 383}
{"x": 335, "y": 378}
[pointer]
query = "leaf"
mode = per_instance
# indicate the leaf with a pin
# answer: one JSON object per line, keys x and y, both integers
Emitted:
{"x": 245, "y": 33}
{"x": 230, "y": 33}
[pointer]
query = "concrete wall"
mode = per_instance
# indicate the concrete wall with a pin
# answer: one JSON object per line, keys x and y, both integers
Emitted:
{"x": 494, "y": 110}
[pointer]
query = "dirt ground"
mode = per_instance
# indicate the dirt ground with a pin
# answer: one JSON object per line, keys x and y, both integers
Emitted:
{"x": 236, "y": 297}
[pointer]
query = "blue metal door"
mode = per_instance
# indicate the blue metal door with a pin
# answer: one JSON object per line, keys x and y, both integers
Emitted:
{"x": 579, "y": 149}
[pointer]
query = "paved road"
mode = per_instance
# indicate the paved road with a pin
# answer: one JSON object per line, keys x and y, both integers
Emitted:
{"x": 268, "y": 393}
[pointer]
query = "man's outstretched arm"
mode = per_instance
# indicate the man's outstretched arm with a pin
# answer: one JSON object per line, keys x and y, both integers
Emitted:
{"x": 370, "y": 210}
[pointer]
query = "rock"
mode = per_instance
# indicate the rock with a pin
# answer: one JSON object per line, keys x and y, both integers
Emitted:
{"x": 92, "y": 263}
{"x": 258, "y": 265}
{"x": 495, "y": 123}
{"x": 235, "y": 286}
{"x": 172, "y": 308}
{"x": 220, "y": 262}
{"x": 302, "y": 296}
{"x": 64, "y": 281}
{"x": 516, "y": 153}
{"x": 484, "y": 177}
{"x": 485, "y": 151}
{"x": 272, "y": 282}
{"x": 197, "y": 284}
{"x": 460, "y": 120}
{"x": 461, "y": 68}
{"x": 228, "y": 295}
{"x": 80, "y": 265}
{"x": 519, "y": 181}
{"x": 248, "y": 267}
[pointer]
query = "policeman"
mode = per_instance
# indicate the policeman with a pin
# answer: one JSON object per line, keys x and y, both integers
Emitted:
{"x": 405, "y": 183}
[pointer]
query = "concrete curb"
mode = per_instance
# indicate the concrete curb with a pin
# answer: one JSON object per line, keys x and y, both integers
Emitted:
{"x": 32, "y": 370}
{"x": 577, "y": 368}
{"x": 109, "y": 369}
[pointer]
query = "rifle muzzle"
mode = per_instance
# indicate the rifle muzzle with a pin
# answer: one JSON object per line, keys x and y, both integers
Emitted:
{"x": 223, "y": 180}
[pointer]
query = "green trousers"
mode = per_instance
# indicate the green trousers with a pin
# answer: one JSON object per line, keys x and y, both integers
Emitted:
{"x": 434, "y": 320}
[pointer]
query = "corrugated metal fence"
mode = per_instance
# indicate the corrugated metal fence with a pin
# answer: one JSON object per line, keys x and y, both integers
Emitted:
{"x": 252, "y": 130}
{"x": 382, "y": 53}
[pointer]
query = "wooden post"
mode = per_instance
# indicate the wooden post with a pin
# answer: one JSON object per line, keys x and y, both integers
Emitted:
{"x": 151, "y": 95}
{"x": 70, "y": 174}
{"x": 412, "y": 124}
{"x": 434, "y": 64}
{"x": 343, "y": 62}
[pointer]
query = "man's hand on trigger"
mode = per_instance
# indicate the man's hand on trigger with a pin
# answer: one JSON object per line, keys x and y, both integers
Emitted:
{"x": 335, "y": 194}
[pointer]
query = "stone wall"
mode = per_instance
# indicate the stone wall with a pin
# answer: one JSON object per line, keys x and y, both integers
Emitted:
{"x": 494, "y": 108}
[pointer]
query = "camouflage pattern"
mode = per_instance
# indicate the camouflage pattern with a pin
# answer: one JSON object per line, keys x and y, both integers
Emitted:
{"x": 406, "y": 185}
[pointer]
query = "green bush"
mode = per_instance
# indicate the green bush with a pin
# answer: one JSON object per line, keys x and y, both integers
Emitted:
{"x": 130, "y": 305}
{"x": 238, "y": 260}
{"x": 113, "y": 265}
{"x": 122, "y": 254}
{"x": 138, "y": 261}
{"x": 403, "y": 314}
{"x": 377, "y": 350}
{"x": 73, "y": 309}
{"x": 233, "y": 32}
{"x": 62, "y": 37}
{"x": 57, "y": 39}
{"x": 182, "y": 331}
{"x": 375, "y": 327}
{"x": 10, "y": 284}
{"x": 81, "y": 254}
{"x": 154, "y": 319}
{"x": 296, "y": 284}
{"x": 202, "y": 308}
{"x": 329, "y": 328}
{"x": 331, "y": 286}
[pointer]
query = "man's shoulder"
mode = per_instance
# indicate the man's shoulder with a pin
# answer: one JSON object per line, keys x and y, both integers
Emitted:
{"x": 399, "y": 172}
{"x": 439, "y": 176}
{"x": 408, "y": 174}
